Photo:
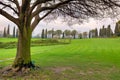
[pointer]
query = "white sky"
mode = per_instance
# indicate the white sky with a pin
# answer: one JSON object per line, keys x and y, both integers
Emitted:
{"x": 59, "y": 24}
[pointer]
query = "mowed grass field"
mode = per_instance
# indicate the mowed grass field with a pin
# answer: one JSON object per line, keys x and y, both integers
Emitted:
{"x": 82, "y": 59}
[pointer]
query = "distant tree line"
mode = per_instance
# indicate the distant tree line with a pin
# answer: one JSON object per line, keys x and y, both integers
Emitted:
{"x": 58, "y": 33}
{"x": 6, "y": 32}
{"x": 104, "y": 32}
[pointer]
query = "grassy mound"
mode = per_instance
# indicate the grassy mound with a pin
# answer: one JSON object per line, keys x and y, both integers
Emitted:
{"x": 38, "y": 42}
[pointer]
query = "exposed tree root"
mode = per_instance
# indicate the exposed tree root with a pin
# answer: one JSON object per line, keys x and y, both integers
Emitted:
{"x": 17, "y": 71}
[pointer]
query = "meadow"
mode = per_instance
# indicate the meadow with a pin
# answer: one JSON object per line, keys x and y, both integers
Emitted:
{"x": 82, "y": 59}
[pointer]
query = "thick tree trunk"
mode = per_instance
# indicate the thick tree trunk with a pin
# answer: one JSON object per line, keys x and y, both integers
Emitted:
{"x": 23, "y": 56}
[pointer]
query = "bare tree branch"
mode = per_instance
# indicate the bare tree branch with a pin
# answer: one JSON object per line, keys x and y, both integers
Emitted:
{"x": 8, "y": 16}
{"x": 17, "y": 4}
{"x": 37, "y": 3}
{"x": 38, "y": 19}
{"x": 50, "y": 7}
{"x": 35, "y": 23}
{"x": 9, "y": 6}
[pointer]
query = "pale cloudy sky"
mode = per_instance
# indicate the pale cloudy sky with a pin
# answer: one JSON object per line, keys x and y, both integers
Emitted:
{"x": 59, "y": 24}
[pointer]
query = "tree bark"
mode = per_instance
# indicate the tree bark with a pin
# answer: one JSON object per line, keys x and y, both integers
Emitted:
{"x": 23, "y": 56}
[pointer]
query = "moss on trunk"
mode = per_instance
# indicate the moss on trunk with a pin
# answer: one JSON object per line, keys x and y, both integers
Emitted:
{"x": 23, "y": 56}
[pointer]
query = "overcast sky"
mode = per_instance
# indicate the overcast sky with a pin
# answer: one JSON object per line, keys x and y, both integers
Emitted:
{"x": 59, "y": 24}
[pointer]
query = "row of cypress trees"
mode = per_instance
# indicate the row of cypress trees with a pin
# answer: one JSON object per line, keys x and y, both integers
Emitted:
{"x": 6, "y": 32}
{"x": 94, "y": 33}
{"x": 58, "y": 33}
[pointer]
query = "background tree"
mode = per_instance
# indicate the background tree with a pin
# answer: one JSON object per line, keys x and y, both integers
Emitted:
{"x": 117, "y": 29}
{"x": 4, "y": 33}
{"x": 80, "y": 35}
{"x": 104, "y": 32}
{"x": 100, "y": 32}
{"x": 67, "y": 33}
{"x": 96, "y": 32}
{"x": 92, "y": 33}
{"x": 46, "y": 33}
{"x": 50, "y": 33}
{"x": 43, "y": 34}
{"x": 109, "y": 31}
{"x": 1, "y": 33}
{"x": 58, "y": 33}
{"x": 53, "y": 32}
{"x": 73, "y": 33}
{"x": 63, "y": 35}
{"x": 27, "y": 16}
{"x": 8, "y": 31}
{"x": 14, "y": 32}
{"x": 85, "y": 35}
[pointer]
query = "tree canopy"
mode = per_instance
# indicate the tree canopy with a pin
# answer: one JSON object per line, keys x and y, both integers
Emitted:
{"x": 39, "y": 9}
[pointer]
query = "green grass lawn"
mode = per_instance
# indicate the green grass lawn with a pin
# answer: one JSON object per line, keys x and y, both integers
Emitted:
{"x": 83, "y": 59}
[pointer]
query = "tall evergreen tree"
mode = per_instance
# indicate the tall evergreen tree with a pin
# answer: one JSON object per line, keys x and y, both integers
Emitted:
{"x": 17, "y": 31}
{"x": 89, "y": 34}
{"x": 109, "y": 31}
{"x": 8, "y": 31}
{"x": 43, "y": 34}
{"x": 46, "y": 33}
{"x": 117, "y": 29}
{"x": 100, "y": 33}
{"x": 53, "y": 32}
{"x": 96, "y": 33}
{"x": 14, "y": 32}
{"x": 63, "y": 35}
{"x": 103, "y": 31}
{"x": 4, "y": 33}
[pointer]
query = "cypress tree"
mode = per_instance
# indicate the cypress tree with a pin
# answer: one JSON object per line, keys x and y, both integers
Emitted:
{"x": 89, "y": 34}
{"x": 4, "y": 33}
{"x": 63, "y": 35}
{"x": 14, "y": 32}
{"x": 46, "y": 33}
{"x": 52, "y": 32}
{"x": 117, "y": 29}
{"x": 8, "y": 31}
{"x": 17, "y": 33}
{"x": 100, "y": 35}
{"x": 42, "y": 34}
{"x": 96, "y": 33}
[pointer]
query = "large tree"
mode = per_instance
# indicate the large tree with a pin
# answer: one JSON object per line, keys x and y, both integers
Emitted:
{"x": 28, "y": 13}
